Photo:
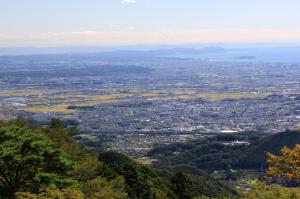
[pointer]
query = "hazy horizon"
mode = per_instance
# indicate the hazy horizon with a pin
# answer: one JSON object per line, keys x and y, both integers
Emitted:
{"x": 54, "y": 23}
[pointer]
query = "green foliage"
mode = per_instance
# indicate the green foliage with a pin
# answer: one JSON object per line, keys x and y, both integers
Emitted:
{"x": 29, "y": 161}
{"x": 212, "y": 154}
{"x": 263, "y": 191}
{"x": 51, "y": 194}
{"x": 101, "y": 188}
{"x": 115, "y": 159}
{"x": 87, "y": 169}
{"x": 204, "y": 154}
{"x": 63, "y": 140}
{"x": 22, "y": 123}
{"x": 53, "y": 165}
{"x": 183, "y": 186}
{"x": 256, "y": 154}
{"x": 141, "y": 181}
{"x": 56, "y": 124}
{"x": 205, "y": 185}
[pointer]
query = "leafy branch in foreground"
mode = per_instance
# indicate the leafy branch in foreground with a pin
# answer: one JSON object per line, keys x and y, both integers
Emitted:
{"x": 286, "y": 165}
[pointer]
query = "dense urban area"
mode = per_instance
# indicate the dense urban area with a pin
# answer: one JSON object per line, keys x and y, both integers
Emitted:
{"x": 133, "y": 104}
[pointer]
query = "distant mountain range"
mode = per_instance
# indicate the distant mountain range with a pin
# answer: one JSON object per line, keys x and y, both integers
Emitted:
{"x": 216, "y": 53}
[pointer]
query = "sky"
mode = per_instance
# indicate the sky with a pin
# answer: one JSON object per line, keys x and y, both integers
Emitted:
{"x": 54, "y": 23}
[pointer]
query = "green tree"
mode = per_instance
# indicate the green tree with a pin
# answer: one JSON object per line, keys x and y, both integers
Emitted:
{"x": 87, "y": 168}
{"x": 29, "y": 161}
{"x": 142, "y": 182}
{"x": 52, "y": 193}
{"x": 63, "y": 140}
{"x": 56, "y": 123}
{"x": 263, "y": 191}
{"x": 183, "y": 186}
{"x": 101, "y": 188}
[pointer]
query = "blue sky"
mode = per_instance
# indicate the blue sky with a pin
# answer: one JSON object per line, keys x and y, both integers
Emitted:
{"x": 123, "y": 22}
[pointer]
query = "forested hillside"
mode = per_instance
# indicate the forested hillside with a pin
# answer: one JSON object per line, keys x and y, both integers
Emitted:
{"x": 217, "y": 153}
{"x": 44, "y": 162}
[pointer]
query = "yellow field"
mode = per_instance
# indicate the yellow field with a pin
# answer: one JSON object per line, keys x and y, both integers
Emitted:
{"x": 222, "y": 96}
{"x": 108, "y": 97}
{"x": 21, "y": 93}
{"x": 60, "y": 108}
{"x": 61, "y": 102}
{"x": 173, "y": 94}
{"x": 39, "y": 100}
{"x": 146, "y": 160}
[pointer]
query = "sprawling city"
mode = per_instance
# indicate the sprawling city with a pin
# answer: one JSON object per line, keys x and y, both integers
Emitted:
{"x": 137, "y": 103}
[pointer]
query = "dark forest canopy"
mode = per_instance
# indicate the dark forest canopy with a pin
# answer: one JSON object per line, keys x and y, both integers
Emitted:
{"x": 215, "y": 153}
